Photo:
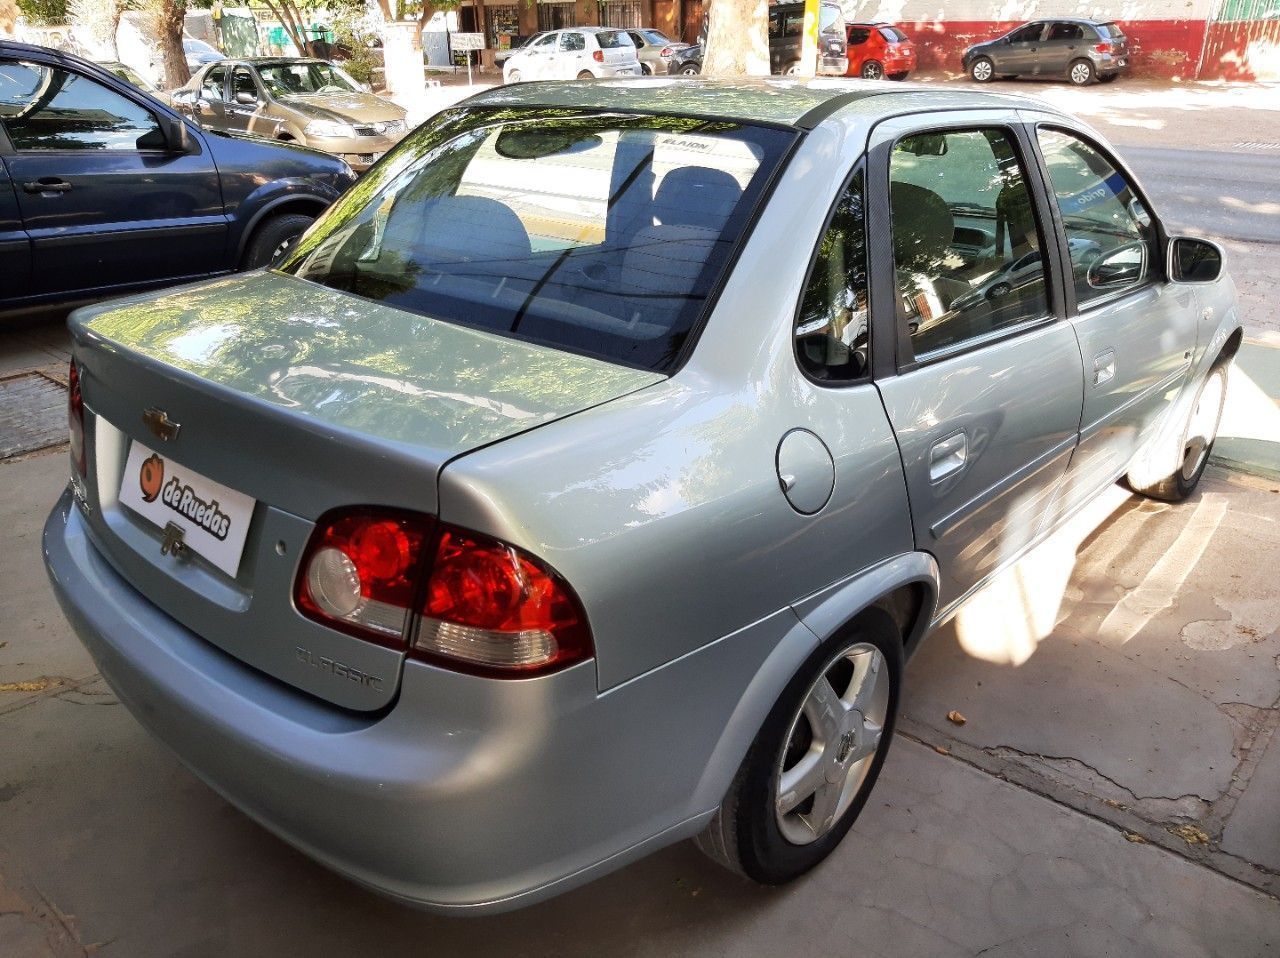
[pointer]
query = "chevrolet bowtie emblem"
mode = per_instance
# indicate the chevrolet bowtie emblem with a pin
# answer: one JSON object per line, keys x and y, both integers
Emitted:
{"x": 161, "y": 426}
{"x": 172, "y": 543}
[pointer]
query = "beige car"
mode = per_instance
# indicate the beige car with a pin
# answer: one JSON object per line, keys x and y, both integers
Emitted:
{"x": 311, "y": 102}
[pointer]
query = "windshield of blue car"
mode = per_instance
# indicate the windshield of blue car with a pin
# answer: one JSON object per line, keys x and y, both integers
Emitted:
{"x": 600, "y": 234}
{"x": 305, "y": 79}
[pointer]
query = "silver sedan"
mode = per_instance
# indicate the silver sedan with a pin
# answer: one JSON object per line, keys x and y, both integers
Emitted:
{"x": 581, "y": 481}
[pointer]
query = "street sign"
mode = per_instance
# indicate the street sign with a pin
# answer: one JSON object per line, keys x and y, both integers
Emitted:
{"x": 466, "y": 41}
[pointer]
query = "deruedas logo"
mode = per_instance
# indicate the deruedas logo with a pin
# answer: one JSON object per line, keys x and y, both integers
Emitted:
{"x": 182, "y": 499}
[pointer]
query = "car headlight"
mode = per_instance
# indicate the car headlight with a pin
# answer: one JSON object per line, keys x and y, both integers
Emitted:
{"x": 334, "y": 128}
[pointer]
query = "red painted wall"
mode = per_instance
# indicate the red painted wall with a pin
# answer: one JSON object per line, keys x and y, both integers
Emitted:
{"x": 1227, "y": 44}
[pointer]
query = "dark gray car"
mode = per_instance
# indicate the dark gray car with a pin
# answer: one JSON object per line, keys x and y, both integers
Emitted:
{"x": 1080, "y": 50}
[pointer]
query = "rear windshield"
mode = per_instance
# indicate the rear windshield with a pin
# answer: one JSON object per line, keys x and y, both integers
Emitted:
{"x": 654, "y": 37}
{"x": 893, "y": 34}
{"x": 600, "y": 234}
{"x": 1109, "y": 31}
{"x": 609, "y": 39}
{"x": 830, "y": 18}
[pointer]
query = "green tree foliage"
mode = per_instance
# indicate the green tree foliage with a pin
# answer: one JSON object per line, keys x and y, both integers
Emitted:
{"x": 44, "y": 11}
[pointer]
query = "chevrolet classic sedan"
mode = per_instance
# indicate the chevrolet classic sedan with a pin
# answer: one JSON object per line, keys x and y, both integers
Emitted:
{"x": 582, "y": 480}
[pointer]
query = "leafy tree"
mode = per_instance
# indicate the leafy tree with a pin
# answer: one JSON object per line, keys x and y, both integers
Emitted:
{"x": 44, "y": 11}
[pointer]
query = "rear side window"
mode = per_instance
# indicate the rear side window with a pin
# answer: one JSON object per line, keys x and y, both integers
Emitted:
{"x": 1066, "y": 31}
{"x": 48, "y": 108}
{"x": 1110, "y": 236}
{"x": 893, "y": 34}
{"x": 966, "y": 241}
{"x": 612, "y": 39}
{"x": 832, "y": 326}
{"x": 858, "y": 36}
{"x": 573, "y": 41}
{"x": 603, "y": 235}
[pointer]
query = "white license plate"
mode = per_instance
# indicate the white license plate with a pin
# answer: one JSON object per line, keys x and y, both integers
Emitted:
{"x": 214, "y": 520}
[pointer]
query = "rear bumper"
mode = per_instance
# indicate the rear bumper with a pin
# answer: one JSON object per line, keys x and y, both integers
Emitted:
{"x": 1111, "y": 66}
{"x": 605, "y": 70}
{"x": 466, "y": 794}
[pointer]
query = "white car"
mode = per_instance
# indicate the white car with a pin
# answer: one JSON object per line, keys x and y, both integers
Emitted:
{"x": 583, "y": 53}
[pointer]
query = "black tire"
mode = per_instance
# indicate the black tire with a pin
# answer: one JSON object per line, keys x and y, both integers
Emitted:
{"x": 1081, "y": 72}
{"x": 982, "y": 70}
{"x": 744, "y": 835}
{"x": 513, "y": 76}
{"x": 898, "y": 76}
{"x": 872, "y": 70}
{"x": 645, "y": 69}
{"x": 1109, "y": 78}
{"x": 586, "y": 75}
{"x": 273, "y": 236}
{"x": 1195, "y": 450}
{"x": 791, "y": 69}
{"x": 689, "y": 70}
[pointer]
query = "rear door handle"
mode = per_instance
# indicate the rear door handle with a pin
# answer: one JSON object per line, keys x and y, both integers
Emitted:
{"x": 1104, "y": 367}
{"x": 948, "y": 456}
{"x": 47, "y": 184}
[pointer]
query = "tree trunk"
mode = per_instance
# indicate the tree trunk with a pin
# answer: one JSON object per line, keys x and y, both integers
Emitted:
{"x": 737, "y": 38}
{"x": 169, "y": 18}
{"x": 8, "y": 18}
{"x": 385, "y": 7}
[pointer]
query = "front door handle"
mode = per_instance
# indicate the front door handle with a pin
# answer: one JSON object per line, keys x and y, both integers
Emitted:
{"x": 948, "y": 456}
{"x": 47, "y": 184}
{"x": 1104, "y": 367}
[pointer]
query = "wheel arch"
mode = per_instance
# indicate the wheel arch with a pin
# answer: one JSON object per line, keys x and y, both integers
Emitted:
{"x": 904, "y": 588}
{"x": 293, "y": 203}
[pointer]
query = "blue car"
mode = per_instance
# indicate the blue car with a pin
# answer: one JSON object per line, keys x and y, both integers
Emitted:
{"x": 105, "y": 190}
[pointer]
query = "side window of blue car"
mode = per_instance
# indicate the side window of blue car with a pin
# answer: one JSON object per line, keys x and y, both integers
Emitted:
{"x": 48, "y": 108}
{"x": 832, "y": 325}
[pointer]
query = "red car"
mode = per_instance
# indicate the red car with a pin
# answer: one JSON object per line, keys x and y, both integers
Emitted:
{"x": 879, "y": 50}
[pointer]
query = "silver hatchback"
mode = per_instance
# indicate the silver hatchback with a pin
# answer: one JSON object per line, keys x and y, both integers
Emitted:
{"x": 542, "y": 508}
{"x": 583, "y": 53}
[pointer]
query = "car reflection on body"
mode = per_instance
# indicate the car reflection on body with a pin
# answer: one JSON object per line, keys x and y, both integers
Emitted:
{"x": 540, "y": 508}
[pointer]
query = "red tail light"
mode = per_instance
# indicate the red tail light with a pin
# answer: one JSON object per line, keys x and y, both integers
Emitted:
{"x": 665, "y": 52}
{"x": 75, "y": 418}
{"x": 598, "y": 56}
{"x": 485, "y": 606}
{"x": 360, "y": 572}
{"x": 498, "y": 610}
{"x": 1102, "y": 48}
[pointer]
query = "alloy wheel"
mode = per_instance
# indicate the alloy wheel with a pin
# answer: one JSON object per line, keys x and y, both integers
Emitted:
{"x": 872, "y": 70}
{"x": 982, "y": 71}
{"x": 1081, "y": 74}
{"x": 831, "y": 742}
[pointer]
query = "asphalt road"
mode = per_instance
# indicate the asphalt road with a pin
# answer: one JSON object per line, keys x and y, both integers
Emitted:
{"x": 1225, "y": 195}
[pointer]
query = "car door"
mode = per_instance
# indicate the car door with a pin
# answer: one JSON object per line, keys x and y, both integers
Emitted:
{"x": 571, "y": 55}
{"x": 208, "y": 105}
{"x": 104, "y": 200}
{"x": 858, "y": 48}
{"x": 1018, "y": 56}
{"x": 542, "y": 57}
{"x": 985, "y": 384}
{"x": 15, "y": 246}
{"x": 1063, "y": 43}
{"x": 243, "y": 100}
{"x": 1137, "y": 331}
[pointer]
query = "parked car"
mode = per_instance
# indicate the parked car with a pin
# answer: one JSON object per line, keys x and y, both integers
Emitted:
{"x": 105, "y": 189}
{"x": 296, "y": 100}
{"x": 130, "y": 75}
{"x": 584, "y": 53}
{"x": 541, "y": 509}
{"x": 879, "y": 50}
{"x": 786, "y": 37}
{"x": 200, "y": 54}
{"x": 1080, "y": 50}
{"x": 687, "y": 61}
{"x": 654, "y": 50}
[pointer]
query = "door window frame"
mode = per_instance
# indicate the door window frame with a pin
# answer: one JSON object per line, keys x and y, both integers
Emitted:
{"x": 859, "y": 166}
{"x": 1157, "y": 266}
{"x": 7, "y": 147}
{"x": 895, "y": 353}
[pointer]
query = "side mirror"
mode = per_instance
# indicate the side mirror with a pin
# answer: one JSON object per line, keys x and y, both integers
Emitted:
{"x": 1120, "y": 267}
{"x": 177, "y": 136}
{"x": 245, "y": 97}
{"x": 1194, "y": 260}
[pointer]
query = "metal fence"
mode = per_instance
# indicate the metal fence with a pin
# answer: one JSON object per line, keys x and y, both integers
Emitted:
{"x": 622, "y": 13}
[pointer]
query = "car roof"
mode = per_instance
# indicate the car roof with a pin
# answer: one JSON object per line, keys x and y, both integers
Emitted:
{"x": 778, "y": 100}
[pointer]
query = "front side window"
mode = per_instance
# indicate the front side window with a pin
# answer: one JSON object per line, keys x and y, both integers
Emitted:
{"x": 49, "y": 108}
{"x": 599, "y": 234}
{"x": 211, "y": 88}
{"x": 1110, "y": 235}
{"x": 305, "y": 79}
{"x": 966, "y": 242}
{"x": 1028, "y": 34}
{"x": 832, "y": 325}
{"x": 546, "y": 43}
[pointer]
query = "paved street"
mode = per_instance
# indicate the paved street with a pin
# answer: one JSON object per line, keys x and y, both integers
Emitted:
{"x": 1111, "y": 789}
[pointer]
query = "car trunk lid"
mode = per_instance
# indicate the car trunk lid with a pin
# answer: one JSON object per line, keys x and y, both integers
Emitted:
{"x": 301, "y": 399}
